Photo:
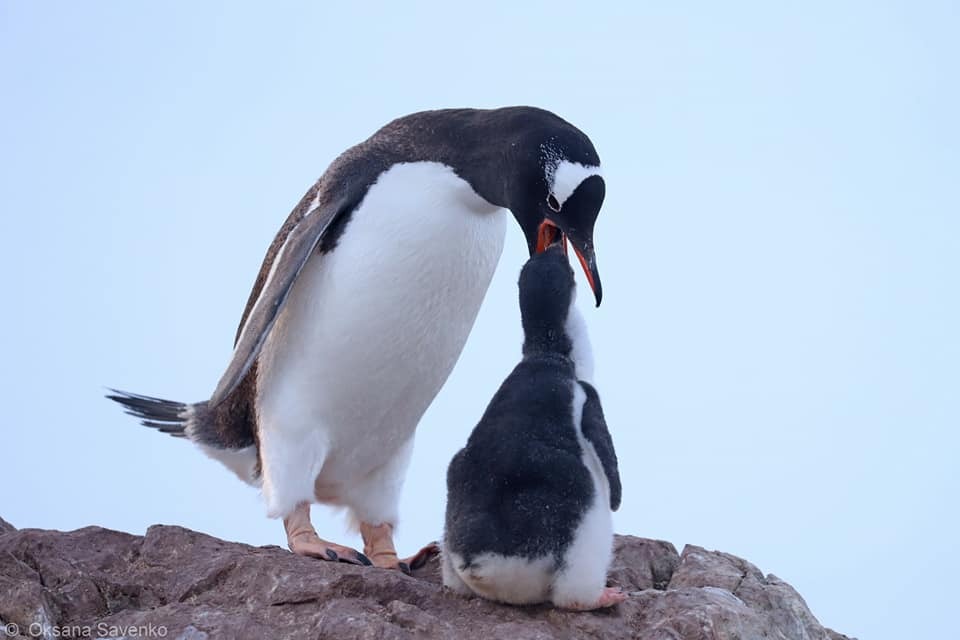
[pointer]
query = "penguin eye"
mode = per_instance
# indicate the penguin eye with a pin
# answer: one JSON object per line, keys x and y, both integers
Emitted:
{"x": 553, "y": 203}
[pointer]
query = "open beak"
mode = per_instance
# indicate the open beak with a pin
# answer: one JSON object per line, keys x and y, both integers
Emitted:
{"x": 549, "y": 233}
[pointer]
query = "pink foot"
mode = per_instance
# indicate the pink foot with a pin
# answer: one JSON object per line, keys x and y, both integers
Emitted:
{"x": 309, "y": 544}
{"x": 609, "y": 597}
{"x": 423, "y": 556}
{"x": 303, "y": 540}
{"x": 378, "y": 546}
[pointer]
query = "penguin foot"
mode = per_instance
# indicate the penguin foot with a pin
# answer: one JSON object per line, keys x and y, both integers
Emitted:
{"x": 422, "y": 557}
{"x": 309, "y": 544}
{"x": 609, "y": 597}
{"x": 378, "y": 545}
{"x": 303, "y": 540}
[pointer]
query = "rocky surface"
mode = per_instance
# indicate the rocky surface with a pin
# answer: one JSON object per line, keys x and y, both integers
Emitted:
{"x": 176, "y": 583}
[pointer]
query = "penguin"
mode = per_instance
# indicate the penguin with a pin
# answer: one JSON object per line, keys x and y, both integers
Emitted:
{"x": 363, "y": 304}
{"x": 530, "y": 498}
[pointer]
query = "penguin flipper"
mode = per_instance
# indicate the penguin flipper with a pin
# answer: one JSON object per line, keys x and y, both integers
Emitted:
{"x": 291, "y": 249}
{"x": 595, "y": 430}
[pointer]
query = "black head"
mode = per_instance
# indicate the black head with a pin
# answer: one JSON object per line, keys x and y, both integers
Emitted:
{"x": 546, "y": 294}
{"x": 529, "y": 160}
{"x": 557, "y": 190}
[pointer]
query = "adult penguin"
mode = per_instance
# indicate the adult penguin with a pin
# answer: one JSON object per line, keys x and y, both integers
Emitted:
{"x": 364, "y": 302}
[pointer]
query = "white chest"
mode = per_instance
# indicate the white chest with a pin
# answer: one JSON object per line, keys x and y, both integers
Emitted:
{"x": 371, "y": 330}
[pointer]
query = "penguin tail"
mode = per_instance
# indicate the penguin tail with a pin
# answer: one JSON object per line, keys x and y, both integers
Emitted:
{"x": 190, "y": 421}
{"x": 166, "y": 416}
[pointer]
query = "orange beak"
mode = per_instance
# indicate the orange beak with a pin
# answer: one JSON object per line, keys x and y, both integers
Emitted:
{"x": 548, "y": 234}
{"x": 586, "y": 269}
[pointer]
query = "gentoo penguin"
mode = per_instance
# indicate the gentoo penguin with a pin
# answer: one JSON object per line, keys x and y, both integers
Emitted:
{"x": 529, "y": 499}
{"x": 364, "y": 302}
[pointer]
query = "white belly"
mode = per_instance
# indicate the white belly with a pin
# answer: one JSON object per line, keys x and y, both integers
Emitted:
{"x": 371, "y": 331}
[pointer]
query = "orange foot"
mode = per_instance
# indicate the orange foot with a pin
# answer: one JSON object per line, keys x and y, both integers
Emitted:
{"x": 303, "y": 540}
{"x": 308, "y": 543}
{"x": 378, "y": 545}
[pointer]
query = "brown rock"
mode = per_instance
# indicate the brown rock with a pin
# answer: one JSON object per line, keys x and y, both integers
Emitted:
{"x": 176, "y": 583}
{"x": 639, "y": 563}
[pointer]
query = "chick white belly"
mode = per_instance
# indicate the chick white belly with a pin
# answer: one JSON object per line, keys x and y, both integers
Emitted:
{"x": 371, "y": 330}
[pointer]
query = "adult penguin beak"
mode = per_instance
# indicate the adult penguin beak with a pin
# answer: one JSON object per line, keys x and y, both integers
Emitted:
{"x": 551, "y": 231}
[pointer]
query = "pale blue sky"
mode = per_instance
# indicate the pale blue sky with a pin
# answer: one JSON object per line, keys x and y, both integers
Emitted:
{"x": 777, "y": 349}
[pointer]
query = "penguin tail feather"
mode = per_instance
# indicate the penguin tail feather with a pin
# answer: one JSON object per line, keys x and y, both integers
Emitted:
{"x": 166, "y": 416}
{"x": 182, "y": 420}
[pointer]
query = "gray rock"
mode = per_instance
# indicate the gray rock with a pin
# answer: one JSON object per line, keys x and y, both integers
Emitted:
{"x": 194, "y": 586}
{"x": 6, "y": 527}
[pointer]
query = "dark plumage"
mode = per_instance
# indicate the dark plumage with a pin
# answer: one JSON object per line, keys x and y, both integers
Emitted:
{"x": 156, "y": 413}
{"x": 521, "y": 487}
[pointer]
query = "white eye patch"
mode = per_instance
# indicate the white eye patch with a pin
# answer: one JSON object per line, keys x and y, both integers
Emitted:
{"x": 568, "y": 176}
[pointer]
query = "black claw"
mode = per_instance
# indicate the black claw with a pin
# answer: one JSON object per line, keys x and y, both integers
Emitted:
{"x": 364, "y": 560}
{"x": 404, "y": 567}
{"x": 332, "y": 555}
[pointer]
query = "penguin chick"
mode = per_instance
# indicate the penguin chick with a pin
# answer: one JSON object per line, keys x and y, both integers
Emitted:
{"x": 529, "y": 499}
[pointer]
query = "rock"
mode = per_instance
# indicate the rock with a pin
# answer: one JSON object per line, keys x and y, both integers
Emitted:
{"x": 176, "y": 583}
{"x": 6, "y": 527}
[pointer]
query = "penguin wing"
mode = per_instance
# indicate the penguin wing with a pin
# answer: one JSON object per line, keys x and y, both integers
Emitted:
{"x": 594, "y": 429}
{"x": 295, "y": 243}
